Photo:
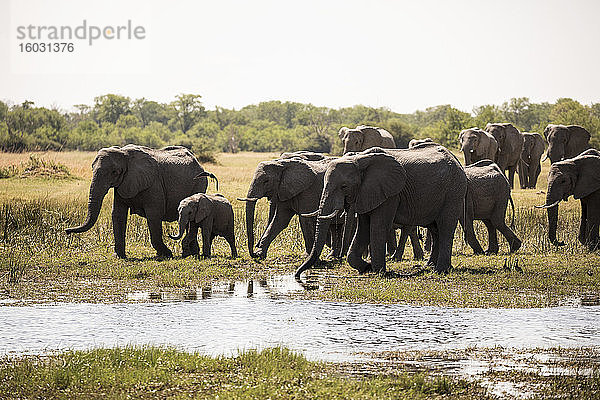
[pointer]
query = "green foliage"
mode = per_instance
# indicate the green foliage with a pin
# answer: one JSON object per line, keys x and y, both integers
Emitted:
{"x": 264, "y": 127}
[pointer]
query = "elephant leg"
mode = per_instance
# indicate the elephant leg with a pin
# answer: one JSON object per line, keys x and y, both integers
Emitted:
{"x": 582, "y": 224}
{"x": 428, "y": 240}
{"x": 348, "y": 231}
{"x": 535, "y": 176}
{"x": 470, "y": 237}
{"x": 119, "y": 221}
{"x": 523, "y": 172}
{"x": 337, "y": 233}
{"x": 230, "y": 237}
{"x": 207, "y": 238}
{"x": 390, "y": 245}
{"x": 492, "y": 237}
{"x": 446, "y": 228}
{"x": 432, "y": 229}
{"x": 593, "y": 225}
{"x": 416, "y": 243}
{"x": 156, "y": 236}
{"x": 359, "y": 244}
{"x": 307, "y": 226}
{"x": 401, "y": 244}
{"x": 189, "y": 244}
{"x": 280, "y": 221}
{"x": 380, "y": 227}
{"x": 514, "y": 242}
{"x": 511, "y": 175}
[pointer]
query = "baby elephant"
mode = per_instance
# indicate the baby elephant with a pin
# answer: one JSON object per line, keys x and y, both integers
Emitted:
{"x": 488, "y": 194}
{"x": 213, "y": 214}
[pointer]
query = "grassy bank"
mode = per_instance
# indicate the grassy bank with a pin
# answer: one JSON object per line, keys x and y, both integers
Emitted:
{"x": 278, "y": 373}
{"x": 167, "y": 373}
{"x": 39, "y": 261}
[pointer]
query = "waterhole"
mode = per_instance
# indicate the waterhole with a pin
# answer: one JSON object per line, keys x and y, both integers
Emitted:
{"x": 227, "y": 317}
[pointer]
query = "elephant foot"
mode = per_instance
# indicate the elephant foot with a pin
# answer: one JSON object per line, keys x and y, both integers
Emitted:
{"x": 186, "y": 254}
{"x": 442, "y": 269}
{"x": 162, "y": 257}
{"x": 516, "y": 245}
{"x": 489, "y": 252}
{"x": 479, "y": 252}
{"x": 260, "y": 254}
{"x": 121, "y": 256}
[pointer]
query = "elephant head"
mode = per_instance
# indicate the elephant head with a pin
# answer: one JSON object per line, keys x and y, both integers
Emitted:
{"x": 352, "y": 138}
{"x": 475, "y": 142}
{"x": 578, "y": 176}
{"x": 277, "y": 180}
{"x": 194, "y": 208}
{"x": 565, "y": 141}
{"x": 129, "y": 169}
{"x": 362, "y": 181}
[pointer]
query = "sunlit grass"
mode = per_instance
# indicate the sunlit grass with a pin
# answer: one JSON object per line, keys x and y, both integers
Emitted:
{"x": 38, "y": 260}
{"x": 151, "y": 372}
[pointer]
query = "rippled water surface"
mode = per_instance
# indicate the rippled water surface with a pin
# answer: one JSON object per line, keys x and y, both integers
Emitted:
{"x": 226, "y": 318}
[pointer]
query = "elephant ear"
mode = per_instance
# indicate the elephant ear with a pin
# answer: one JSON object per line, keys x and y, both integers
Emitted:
{"x": 297, "y": 176}
{"x": 142, "y": 172}
{"x": 382, "y": 178}
{"x": 204, "y": 208}
{"x": 343, "y": 132}
{"x": 588, "y": 179}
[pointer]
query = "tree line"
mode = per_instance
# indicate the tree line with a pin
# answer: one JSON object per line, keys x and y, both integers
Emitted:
{"x": 267, "y": 126}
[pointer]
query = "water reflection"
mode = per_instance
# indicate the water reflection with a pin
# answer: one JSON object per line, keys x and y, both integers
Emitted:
{"x": 275, "y": 287}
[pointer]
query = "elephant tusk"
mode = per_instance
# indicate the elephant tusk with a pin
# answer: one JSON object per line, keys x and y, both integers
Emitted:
{"x": 549, "y": 205}
{"x": 545, "y": 157}
{"x": 310, "y": 215}
{"x": 248, "y": 198}
{"x": 332, "y": 215}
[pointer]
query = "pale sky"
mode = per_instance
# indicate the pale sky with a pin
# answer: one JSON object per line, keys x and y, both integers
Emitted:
{"x": 404, "y": 55}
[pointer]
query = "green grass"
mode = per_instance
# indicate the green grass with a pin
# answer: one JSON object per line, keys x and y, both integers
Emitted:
{"x": 39, "y": 261}
{"x": 151, "y": 372}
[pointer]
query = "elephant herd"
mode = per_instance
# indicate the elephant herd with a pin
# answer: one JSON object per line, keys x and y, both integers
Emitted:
{"x": 354, "y": 203}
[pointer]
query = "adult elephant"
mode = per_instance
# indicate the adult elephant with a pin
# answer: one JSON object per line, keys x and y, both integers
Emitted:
{"x": 565, "y": 141}
{"x": 476, "y": 145}
{"x": 529, "y": 165}
{"x": 424, "y": 185}
{"x": 364, "y": 137}
{"x": 146, "y": 182}
{"x": 510, "y": 146}
{"x": 293, "y": 187}
{"x": 415, "y": 142}
{"x": 488, "y": 194}
{"x": 578, "y": 176}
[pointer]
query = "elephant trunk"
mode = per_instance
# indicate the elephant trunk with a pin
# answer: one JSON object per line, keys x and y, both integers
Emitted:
{"x": 250, "y": 207}
{"x": 468, "y": 154}
{"x": 321, "y": 231}
{"x": 97, "y": 192}
{"x": 182, "y": 229}
{"x": 552, "y": 200}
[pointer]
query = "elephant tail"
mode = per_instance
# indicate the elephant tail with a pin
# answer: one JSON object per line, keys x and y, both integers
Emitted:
{"x": 209, "y": 175}
{"x": 512, "y": 222}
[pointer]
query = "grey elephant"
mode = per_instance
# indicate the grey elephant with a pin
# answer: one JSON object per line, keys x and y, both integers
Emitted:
{"x": 477, "y": 144}
{"x": 213, "y": 214}
{"x": 578, "y": 176}
{"x": 424, "y": 186}
{"x": 510, "y": 147}
{"x": 415, "y": 142}
{"x": 565, "y": 141}
{"x": 293, "y": 187}
{"x": 147, "y": 182}
{"x": 488, "y": 194}
{"x": 529, "y": 165}
{"x": 364, "y": 137}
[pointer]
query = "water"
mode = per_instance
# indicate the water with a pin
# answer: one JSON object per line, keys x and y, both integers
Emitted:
{"x": 241, "y": 316}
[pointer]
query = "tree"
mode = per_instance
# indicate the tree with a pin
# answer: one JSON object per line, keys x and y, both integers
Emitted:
{"x": 110, "y": 107}
{"x": 188, "y": 110}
